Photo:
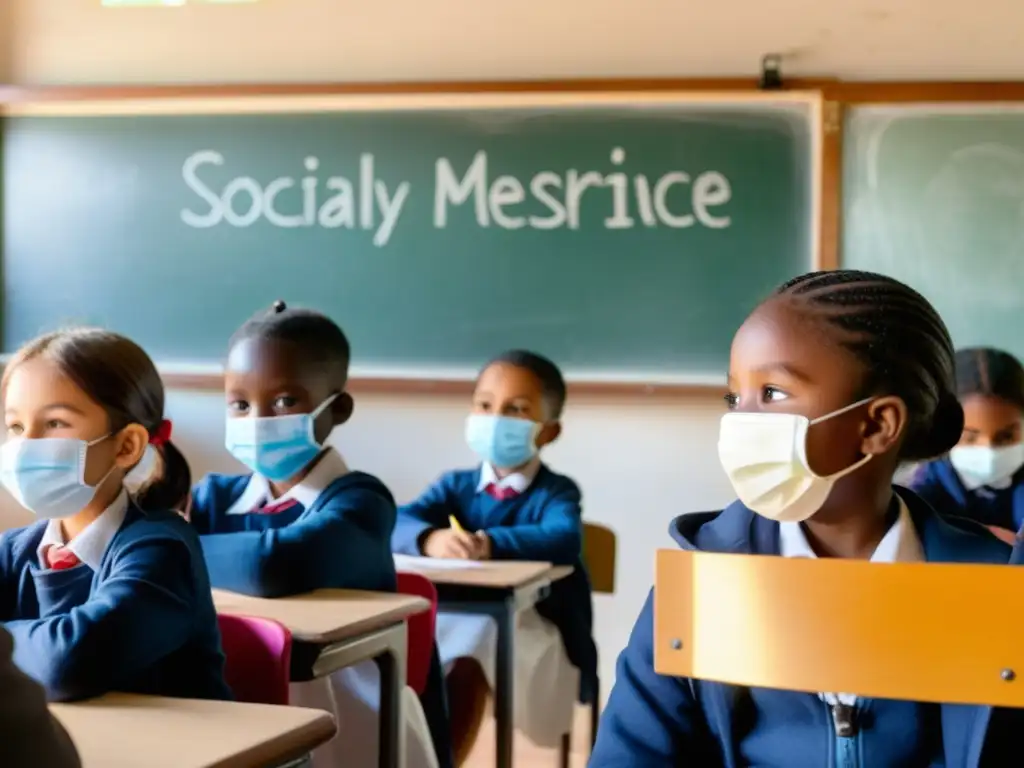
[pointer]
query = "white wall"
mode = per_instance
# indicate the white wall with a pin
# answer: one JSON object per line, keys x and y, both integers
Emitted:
{"x": 640, "y": 461}
{"x": 78, "y": 41}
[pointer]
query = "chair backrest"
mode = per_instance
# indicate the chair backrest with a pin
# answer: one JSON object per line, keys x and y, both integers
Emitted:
{"x": 421, "y": 628}
{"x": 599, "y": 548}
{"x": 259, "y": 657}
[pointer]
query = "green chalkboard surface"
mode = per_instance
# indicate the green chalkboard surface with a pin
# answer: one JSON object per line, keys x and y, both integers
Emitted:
{"x": 621, "y": 241}
{"x": 935, "y": 197}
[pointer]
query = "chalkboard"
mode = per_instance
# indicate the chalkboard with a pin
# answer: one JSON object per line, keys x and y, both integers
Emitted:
{"x": 935, "y": 197}
{"x": 621, "y": 240}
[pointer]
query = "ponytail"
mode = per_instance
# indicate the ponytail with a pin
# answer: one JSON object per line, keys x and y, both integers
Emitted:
{"x": 170, "y": 483}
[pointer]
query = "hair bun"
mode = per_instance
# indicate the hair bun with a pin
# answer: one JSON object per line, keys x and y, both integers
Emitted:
{"x": 278, "y": 307}
{"x": 946, "y": 427}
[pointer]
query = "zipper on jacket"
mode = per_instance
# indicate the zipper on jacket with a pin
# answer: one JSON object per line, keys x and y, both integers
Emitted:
{"x": 847, "y": 735}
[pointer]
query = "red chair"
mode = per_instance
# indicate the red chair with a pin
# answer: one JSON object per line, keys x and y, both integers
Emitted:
{"x": 259, "y": 657}
{"x": 421, "y": 629}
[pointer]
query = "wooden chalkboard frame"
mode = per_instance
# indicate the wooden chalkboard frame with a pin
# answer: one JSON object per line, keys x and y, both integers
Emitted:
{"x": 826, "y": 117}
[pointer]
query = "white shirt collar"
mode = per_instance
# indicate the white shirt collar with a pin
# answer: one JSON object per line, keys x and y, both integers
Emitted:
{"x": 91, "y": 544}
{"x": 899, "y": 545}
{"x": 517, "y": 481}
{"x": 328, "y": 468}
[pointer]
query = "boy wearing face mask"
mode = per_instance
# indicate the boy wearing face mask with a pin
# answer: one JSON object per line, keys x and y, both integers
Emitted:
{"x": 302, "y": 520}
{"x": 512, "y": 507}
{"x": 981, "y": 478}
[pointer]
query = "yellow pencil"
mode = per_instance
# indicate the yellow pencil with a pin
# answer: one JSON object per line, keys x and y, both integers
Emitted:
{"x": 454, "y": 523}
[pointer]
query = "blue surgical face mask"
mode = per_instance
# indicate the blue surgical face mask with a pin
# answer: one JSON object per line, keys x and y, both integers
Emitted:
{"x": 277, "y": 447}
{"x": 502, "y": 441}
{"x": 47, "y": 474}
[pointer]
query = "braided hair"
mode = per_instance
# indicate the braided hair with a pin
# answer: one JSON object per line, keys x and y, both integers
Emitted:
{"x": 903, "y": 344}
{"x": 990, "y": 372}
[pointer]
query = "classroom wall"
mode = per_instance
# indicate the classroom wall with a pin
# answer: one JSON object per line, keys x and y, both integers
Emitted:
{"x": 78, "y": 41}
{"x": 640, "y": 461}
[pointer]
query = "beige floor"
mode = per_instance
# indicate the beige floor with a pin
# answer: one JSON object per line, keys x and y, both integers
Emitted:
{"x": 529, "y": 756}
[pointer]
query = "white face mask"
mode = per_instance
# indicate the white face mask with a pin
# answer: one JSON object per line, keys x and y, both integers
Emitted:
{"x": 980, "y": 465}
{"x": 47, "y": 474}
{"x": 765, "y": 457}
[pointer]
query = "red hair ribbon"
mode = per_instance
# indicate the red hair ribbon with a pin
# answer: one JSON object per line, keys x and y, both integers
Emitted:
{"x": 162, "y": 434}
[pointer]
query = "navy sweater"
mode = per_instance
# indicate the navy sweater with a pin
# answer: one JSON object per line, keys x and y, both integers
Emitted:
{"x": 543, "y": 523}
{"x": 940, "y": 485}
{"x": 144, "y": 623}
{"x": 342, "y": 540}
{"x": 655, "y": 720}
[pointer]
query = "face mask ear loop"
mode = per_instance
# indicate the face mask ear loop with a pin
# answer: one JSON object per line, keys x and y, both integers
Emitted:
{"x": 316, "y": 414}
{"x": 802, "y": 445}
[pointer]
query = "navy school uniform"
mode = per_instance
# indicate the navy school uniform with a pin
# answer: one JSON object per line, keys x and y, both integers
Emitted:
{"x": 938, "y": 483}
{"x": 543, "y": 523}
{"x": 135, "y": 614}
{"x": 654, "y": 720}
{"x": 332, "y": 530}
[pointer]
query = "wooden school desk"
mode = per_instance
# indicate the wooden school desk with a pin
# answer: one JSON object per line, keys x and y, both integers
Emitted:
{"x": 336, "y": 628}
{"x": 500, "y": 589}
{"x": 126, "y": 731}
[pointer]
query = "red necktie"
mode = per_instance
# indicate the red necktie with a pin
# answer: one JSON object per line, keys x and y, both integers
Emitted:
{"x": 501, "y": 494}
{"x": 275, "y": 509}
{"x": 60, "y": 558}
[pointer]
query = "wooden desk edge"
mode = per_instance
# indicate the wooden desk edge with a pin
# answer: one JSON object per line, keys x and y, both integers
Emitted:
{"x": 398, "y": 607}
{"x": 272, "y": 750}
{"x": 287, "y": 746}
{"x": 394, "y": 615}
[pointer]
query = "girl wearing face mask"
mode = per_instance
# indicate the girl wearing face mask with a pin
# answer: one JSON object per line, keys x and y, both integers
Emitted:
{"x": 833, "y": 381}
{"x": 108, "y": 591}
{"x": 981, "y": 478}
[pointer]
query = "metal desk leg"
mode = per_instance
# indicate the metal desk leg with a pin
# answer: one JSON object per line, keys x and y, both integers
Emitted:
{"x": 392, "y": 666}
{"x": 504, "y": 697}
{"x": 388, "y": 648}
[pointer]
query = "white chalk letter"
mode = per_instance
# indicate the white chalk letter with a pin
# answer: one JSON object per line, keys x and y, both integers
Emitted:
{"x": 711, "y": 188}
{"x": 389, "y": 210}
{"x": 539, "y": 188}
{"x": 620, "y": 218}
{"x": 661, "y": 192}
{"x": 448, "y": 188}
{"x": 270, "y": 213}
{"x": 575, "y": 186}
{"x": 506, "y": 190}
{"x": 242, "y": 185}
{"x": 339, "y": 210}
{"x": 188, "y": 173}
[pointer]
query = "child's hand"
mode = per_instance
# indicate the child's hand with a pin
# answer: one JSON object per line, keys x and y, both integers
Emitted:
{"x": 451, "y": 543}
{"x": 483, "y": 545}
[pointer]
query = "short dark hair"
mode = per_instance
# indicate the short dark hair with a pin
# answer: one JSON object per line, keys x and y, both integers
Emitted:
{"x": 903, "y": 344}
{"x": 552, "y": 385}
{"x": 991, "y": 372}
{"x": 314, "y": 333}
{"x": 118, "y": 374}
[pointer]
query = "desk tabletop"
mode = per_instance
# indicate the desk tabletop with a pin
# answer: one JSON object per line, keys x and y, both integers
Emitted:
{"x": 127, "y": 731}
{"x": 325, "y": 615}
{"x": 494, "y": 574}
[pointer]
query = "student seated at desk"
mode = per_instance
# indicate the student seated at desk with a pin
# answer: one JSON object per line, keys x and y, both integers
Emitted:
{"x": 302, "y": 520}
{"x": 107, "y": 591}
{"x": 833, "y": 381}
{"x": 512, "y": 507}
{"x": 982, "y": 477}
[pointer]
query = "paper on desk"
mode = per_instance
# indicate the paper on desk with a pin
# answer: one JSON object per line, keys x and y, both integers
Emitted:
{"x": 410, "y": 563}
